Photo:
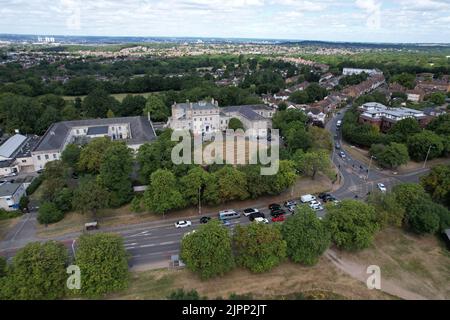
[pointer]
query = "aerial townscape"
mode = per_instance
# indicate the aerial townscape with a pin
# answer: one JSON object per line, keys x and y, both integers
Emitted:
{"x": 226, "y": 166}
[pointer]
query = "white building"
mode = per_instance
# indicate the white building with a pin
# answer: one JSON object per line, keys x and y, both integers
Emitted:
{"x": 207, "y": 117}
{"x": 135, "y": 131}
{"x": 10, "y": 195}
{"x": 15, "y": 155}
{"x": 353, "y": 71}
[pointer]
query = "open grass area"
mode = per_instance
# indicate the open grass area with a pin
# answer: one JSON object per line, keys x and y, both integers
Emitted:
{"x": 420, "y": 264}
{"x": 287, "y": 281}
{"x": 6, "y": 225}
{"x": 118, "y": 96}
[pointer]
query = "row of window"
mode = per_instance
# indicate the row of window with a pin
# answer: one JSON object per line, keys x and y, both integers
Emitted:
{"x": 200, "y": 119}
{"x": 47, "y": 157}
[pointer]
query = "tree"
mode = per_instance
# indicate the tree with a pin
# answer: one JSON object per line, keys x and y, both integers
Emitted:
{"x": 437, "y": 184}
{"x": 3, "y": 267}
{"x": 423, "y": 218}
{"x": 438, "y": 98}
{"x": 299, "y": 97}
{"x": 310, "y": 163}
{"x": 419, "y": 144}
{"x": 91, "y": 156}
{"x": 207, "y": 252}
{"x": 193, "y": 183}
{"x": 97, "y": 103}
{"x": 103, "y": 264}
{"x": 408, "y": 193}
{"x": 257, "y": 184}
{"x": 389, "y": 211}
{"x": 306, "y": 236}
{"x": 115, "y": 171}
{"x": 90, "y": 196}
{"x": 440, "y": 125}
{"x": 235, "y": 124}
{"x": 232, "y": 184}
{"x": 259, "y": 247}
{"x": 158, "y": 110}
{"x": 282, "y": 119}
{"x": 180, "y": 294}
{"x": 23, "y": 203}
{"x": 63, "y": 200}
{"x": 132, "y": 105}
{"x": 393, "y": 155}
{"x": 321, "y": 139}
{"x": 162, "y": 194}
{"x": 71, "y": 155}
{"x": 297, "y": 137}
{"x": 404, "y": 129}
{"x": 49, "y": 213}
{"x": 407, "y": 80}
{"x": 38, "y": 272}
{"x": 285, "y": 177}
{"x": 315, "y": 92}
{"x": 352, "y": 224}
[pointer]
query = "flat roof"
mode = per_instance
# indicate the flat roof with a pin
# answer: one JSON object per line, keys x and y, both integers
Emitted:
{"x": 8, "y": 189}
{"x": 11, "y": 145}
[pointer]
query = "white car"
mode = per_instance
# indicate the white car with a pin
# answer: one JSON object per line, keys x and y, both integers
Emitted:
{"x": 250, "y": 211}
{"x": 316, "y": 206}
{"x": 291, "y": 208}
{"x": 182, "y": 224}
{"x": 381, "y": 187}
{"x": 261, "y": 220}
{"x": 290, "y": 203}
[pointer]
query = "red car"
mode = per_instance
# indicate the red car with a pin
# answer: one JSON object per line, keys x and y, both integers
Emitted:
{"x": 279, "y": 218}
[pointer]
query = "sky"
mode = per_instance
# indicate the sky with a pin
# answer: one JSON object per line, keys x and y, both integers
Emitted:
{"x": 424, "y": 21}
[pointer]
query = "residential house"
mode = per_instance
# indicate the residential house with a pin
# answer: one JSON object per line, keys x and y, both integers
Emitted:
{"x": 10, "y": 195}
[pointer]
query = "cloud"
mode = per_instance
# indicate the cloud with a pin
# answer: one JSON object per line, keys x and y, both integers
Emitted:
{"x": 373, "y": 11}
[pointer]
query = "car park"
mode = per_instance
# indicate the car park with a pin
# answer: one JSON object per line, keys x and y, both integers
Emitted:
{"x": 274, "y": 206}
{"x": 381, "y": 187}
{"x": 182, "y": 224}
{"x": 279, "y": 218}
{"x": 205, "y": 219}
{"x": 249, "y": 211}
{"x": 261, "y": 220}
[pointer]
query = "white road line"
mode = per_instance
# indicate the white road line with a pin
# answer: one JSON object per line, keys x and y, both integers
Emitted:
{"x": 165, "y": 243}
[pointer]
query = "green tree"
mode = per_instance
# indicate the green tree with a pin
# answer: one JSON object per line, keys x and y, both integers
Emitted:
{"x": 181, "y": 294}
{"x": 3, "y": 267}
{"x": 63, "y": 200}
{"x": 388, "y": 209}
{"x": 352, "y": 224}
{"x": 321, "y": 139}
{"x": 207, "y": 252}
{"x": 407, "y": 80}
{"x": 91, "y": 156}
{"x": 438, "y": 98}
{"x": 404, "y": 129}
{"x": 49, "y": 213}
{"x": 97, "y": 103}
{"x": 163, "y": 194}
{"x": 193, "y": 184}
{"x": 257, "y": 184}
{"x": 437, "y": 184}
{"x": 115, "y": 171}
{"x": 232, "y": 184}
{"x": 423, "y": 218}
{"x": 235, "y": 124}
{"x": 310, "y": 163}
{"x": 158, "y": 110}
{"x": 299, "y": 97}
{"x": 71, "y": 155}
{"x": 393, "y": 155}
{"x": 306, "y": 236}
{"x": 103, "y": 264}
{"x": 297, "y": 137}
{"x": 90, "y": 196}
{"x": 440, "y": 125}
{"x": 259, "y": 247}
{"x": 419, "y": 144}
{"x": 132, "y": 106}
{"x": 38, "y": 272}
{"x": 408, "y": 193}
{"x": 285, "y": 177}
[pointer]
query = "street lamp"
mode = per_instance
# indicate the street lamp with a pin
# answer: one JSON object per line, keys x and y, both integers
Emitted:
{"x": 370, "y": 163}
{"x": 428, "y": 154}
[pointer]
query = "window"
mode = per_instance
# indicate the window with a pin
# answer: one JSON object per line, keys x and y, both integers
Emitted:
{"x": 195, "y": 119}
{"x": 39, "y": 158}
{"x": 24, "y": 161}
{"x": 78, "y": 131}
{"x": 46, "y": 157}
{"x": 54, "y": 156}
{"x": 210, "y": 119}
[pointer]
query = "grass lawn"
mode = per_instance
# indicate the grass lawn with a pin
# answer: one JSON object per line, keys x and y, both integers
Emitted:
{"x": 287, "y": 281}
{"x": 6, "y": 225}
{"x": 420, "y": 264}
{"x": 118, "y": 96}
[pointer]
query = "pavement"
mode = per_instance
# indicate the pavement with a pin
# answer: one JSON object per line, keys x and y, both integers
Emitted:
{"x": 152, "y": 244}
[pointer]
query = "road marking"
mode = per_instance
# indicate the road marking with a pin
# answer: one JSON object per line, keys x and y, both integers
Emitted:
{"x": 166, "y": 243}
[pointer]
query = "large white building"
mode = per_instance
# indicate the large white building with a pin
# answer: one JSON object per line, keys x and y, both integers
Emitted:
{"x": 353, "y": 71}
{"x": 207, "y": 117}
{"x": 135, "y": 131}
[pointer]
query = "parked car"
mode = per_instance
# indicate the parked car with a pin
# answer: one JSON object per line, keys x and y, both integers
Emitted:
{"x": 307, "y": 198}
{"x": 290, "y": 203}
{"x": 276, "y": 213}
{"x": 250, "y": 211}
{"x": 291, "y": 209}
{"x": 182, "y": 224}
{"x": 342, "y": 155}
{"x": 255, "y": 215}
{"x": 323, "y": 195}
{"x": 274, "y": 206}
{"x": 279, "y": 218}
{"x": 316, "y": 207}
{"x": 381, "y": 187}
{"x": 226, "y": 223}
{"x": 261, "y": 220}
{"x": 205, "y": 219}
{"x": 337, "y": 146}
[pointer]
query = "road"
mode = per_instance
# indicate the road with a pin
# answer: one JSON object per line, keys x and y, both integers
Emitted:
{"x": 156, "y": 242}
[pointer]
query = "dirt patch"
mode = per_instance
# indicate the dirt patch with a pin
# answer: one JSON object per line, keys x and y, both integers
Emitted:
{"x": 289, "y": 281}
{"x": 6, "y": 225}
{"x": 417, "y": 264}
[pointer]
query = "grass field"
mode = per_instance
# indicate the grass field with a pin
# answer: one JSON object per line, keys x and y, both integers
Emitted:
{"x": 6, "y": 225}
{"x": 118, "y": 96}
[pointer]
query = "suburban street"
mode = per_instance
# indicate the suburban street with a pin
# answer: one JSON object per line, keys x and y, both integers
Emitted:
{"x": 154, "y": 243}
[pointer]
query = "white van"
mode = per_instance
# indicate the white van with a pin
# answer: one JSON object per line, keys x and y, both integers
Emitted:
{"x": 339, "y": 123}
{"x": 307, "y": 198}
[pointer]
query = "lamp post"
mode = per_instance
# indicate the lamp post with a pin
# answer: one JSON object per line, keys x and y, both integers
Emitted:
{"x": 370, "y": 163}
{"x": 428, "y": 154}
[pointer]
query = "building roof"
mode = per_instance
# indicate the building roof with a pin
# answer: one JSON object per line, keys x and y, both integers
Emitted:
{"x": 201, "y": 105}
{"x": 8, "y": 189}
{"x": 56, "y": 135}
{"x": 11, "y": 145}
{"x": 248, "y": 111}
{"x": 97, "y": 130}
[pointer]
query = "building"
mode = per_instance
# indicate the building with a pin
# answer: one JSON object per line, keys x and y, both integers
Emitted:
{"x": 15, "y": 155}
{"x": 207, "y": 117}
{"x": 372, "y": 83}
{"x": 134, "y": 131}
{"x": 10, "y": 195}
{"x": 353, "y": 71}
{"x": 384, "y": 117}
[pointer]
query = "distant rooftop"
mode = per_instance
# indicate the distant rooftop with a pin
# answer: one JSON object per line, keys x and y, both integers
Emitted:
{"x": 247, "y": 111}
{"x": 8, "y": 189}
{"x": 8, "y": 149}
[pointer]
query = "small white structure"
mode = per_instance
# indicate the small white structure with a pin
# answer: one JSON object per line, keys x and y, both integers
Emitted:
{"x": 353, "y": 71}
{"x": 10, "y": 195}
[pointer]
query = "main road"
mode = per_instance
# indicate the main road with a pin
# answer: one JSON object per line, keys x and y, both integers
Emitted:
{"x": 155, "y": 242}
